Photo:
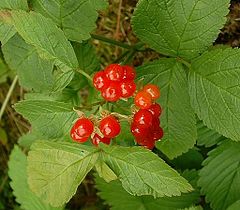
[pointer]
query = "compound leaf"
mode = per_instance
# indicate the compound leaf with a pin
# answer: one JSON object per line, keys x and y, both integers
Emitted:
{"x": 56, "y": 169}
{"x": 214, "y": 90}
{"x": 220, "y": 176}
{"x": 178, "y": 119}
{"x": 179, "y": 28}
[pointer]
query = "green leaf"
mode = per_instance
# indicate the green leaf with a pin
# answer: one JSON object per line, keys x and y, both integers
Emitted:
{"x": 76, "y": 18}
{"x": 206, "y": 136}
{"x": 214, "y": 90}
{"x": 193, "y": 208}
{"x": 234, "y": 206}
{"x": 116, "y": 197}
{"x": 56, "y": 169}
{"x": 14, "y": 4}
{"x": 105, "y": 172}
{"x": 34, "y": 72}
{"x": 6, "y": 32}
{"x": 18, "y": 174}
{"x": 178, "y": 119}
{"x": 28, "y": 139}
{"x": 220, "y": 176}
{"x": 50, "y": 118}
{"x": 179, "y": 28}
{"x": 4, "y": 71}
{"x": 144, "y": 173}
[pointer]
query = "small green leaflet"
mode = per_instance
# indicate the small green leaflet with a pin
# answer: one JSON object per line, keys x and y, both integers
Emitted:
{"x": 114, "y": 195}
{"x": 14, "y": 4}
{"x": 144, "y": 173}
{"x": 214, "y": 90}
{"x": 76, "y": 18}
{"x": 56, "y": 169}
{"x": 183, "y": 28}
{"x": 18, "y": 174}
{"x": 34, "y": 72}
{"x": 178, "y": 119}
{"x": 220, "y": 176}
{"x": 52, "y": 119}
{"x": 6, "y": 32}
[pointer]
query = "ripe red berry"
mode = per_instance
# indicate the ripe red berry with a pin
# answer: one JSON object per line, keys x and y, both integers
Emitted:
{"x": 155, "y": 109}
{"x": 148, "y": 142}
{"x": 143, "y": 117}
{"x": 97, "y": 139}
{"x": 143, "y": 100}
{"x": 155, "y": 122}
{"x": 114, "y": 72}
{"x": 100, "y": 80}
{"x": 138, "y": 130}
{"x": 110, "y": 127}
{"x": 157, "y": 134}
{"x": 111, "y": 93}
{"x": 127, "y": 89}
{"x": 153, "y": 90}
{"x": 129, "y": 73}
{"x": 82, "y": 129}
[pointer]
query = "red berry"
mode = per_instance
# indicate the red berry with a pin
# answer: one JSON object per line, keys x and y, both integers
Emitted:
{"x": 139, "y": 131}
{"x": 82, "y": 129}
{"x": 155, "y": 109}
{"x": 143, "y": 100}
{"x": 148, "y": 142}
{"x": 149, "y": 145}
{"x": 111, "y": 93}
{"x": 100, "y": 80}
{"x": 157, "y": 133}
{"x": 153, "y": 90}
{"x": 155, "y": 123}
{"x": 110, "y": 127}
{"x": 143, "y": 117}
{"x": 97, "y": 139}
{"x": 114, "y": 72}
{"x": 127, "y": 89}
{"x": 129, "y": 73}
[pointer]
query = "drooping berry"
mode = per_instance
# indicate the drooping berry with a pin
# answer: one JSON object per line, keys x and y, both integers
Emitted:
{"x": 97, "y": 139}
{"x": 100, "y": 80}
{"x": 143, "y": 117}
{"x": 110, "y": 127}
{"x": 155, "y": 109}
{"x": 157, "y": 134}
{"x": 111, "y": 93}
{"x": 129, "y": 73}
{"x": 148, "y": 141}
{"x": 153, "y": 90}
{"x": 143, "y": 100}
{"x": 138, "y": 130}
{"x": 114, "y": 72}
{"x": 82, "y": 129}
{"x": 127, "y": 89}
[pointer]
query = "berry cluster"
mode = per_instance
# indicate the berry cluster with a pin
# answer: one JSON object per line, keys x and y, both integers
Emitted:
{"x": 146, "y": 124}
{"x": 115, "y": 82}
{"x": 83, "y": 128}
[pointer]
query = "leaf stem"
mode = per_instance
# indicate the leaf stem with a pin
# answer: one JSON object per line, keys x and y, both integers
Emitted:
{"x": 85, "y": 74}
{"x": 10, "y": 91}
{"x": 186, "y": 63}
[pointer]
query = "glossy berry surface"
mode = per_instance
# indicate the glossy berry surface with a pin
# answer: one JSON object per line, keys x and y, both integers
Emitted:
{"x": 97, "y": 139}
{"x": 138, "y": 130}
{"x": 127, "y": 89}
{"x": 143, "y": 100}
{"x": 111, "y": 93}
{"x": 153, "y": 90}
{"x": 157, "y": 133}
{"x": 129, "y": 73}
{"x": 143, "y": 117}
{"x": 155, "y": 109}
{"x": 110, "y": 127}
{"x": 100, "y": 80}
{"x": 82, "y": 129}
{"x": 114, "y": 72}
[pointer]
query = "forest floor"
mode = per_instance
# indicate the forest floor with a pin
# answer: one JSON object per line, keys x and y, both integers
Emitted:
{"x": 113, "y": 23}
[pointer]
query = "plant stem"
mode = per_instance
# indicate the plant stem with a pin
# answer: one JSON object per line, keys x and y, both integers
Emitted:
{"x": 85, "y": 74}
{"x": 90, "y": 105}
{"x": 111, "y": 41}
{"x": 10, "y": 91}
{"x": 187, "y": 64}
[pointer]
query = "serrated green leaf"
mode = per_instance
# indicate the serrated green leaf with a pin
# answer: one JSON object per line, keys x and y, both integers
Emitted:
{"x": 207, "y": 137}
{"x": 105, "y": 172}
{"x": 179, "y": 28}
{"x": 193, "y": 208}
{"x": 144, "y": 173}
{"x": 214, "y": 90}
{"x": 115, "y": 196}
{"x": 56, "y": 169}
{"x": 76, "y": 18}
{"x": 6, "y": 32}
{"x": 234, "y": 206}
{"x": 52, "y": 119}
{"x": 34, "y": 72}
{"x": 28, "y": 139}
{"x": 178, "y": 119}
{"x": 14, "y": 4}
{"x": 18, "y": 174}
{"x": 220, "y": 176}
